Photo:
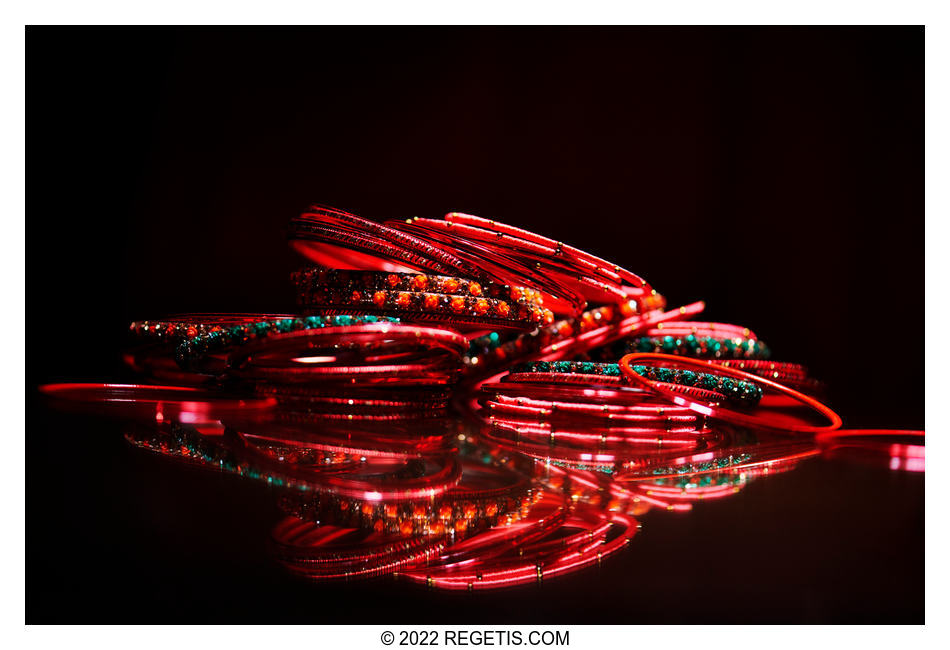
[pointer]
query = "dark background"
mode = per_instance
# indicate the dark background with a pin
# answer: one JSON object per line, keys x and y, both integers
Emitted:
{"x": 776, "y": 173}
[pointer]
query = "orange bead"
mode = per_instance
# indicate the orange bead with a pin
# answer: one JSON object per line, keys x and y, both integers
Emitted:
{"x": 450, "y": 285}
{"x": 548, "y": 317}
{"x": 516, "y": 293}
{"x": 356, "y": 296}
{"x": 431, "y": 301}
{"x": 392, "y": 279}
{"x": 406, "y": 527}
{"x": 379, "y": 298}
{"x": 402, "y": 300}
{"x": 475, "y": 288}
{"x": 419, "y": 283}
{"x": 481, "y": 306}
{"x": 503, "y": 309}
{"x": 457, "y": 304}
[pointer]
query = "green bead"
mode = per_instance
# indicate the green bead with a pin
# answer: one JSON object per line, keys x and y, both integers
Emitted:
{"x": 612, "y": 370}
{"x": 709, "y": 382}
{"x": 669, "y": 344}
{"x": 664, "y": 374}
{"x": 687, "y": 378}
{"x": 645, "y": 345}
{"x": 562, "y": 366}
{"x": 729, "y": 387}
{"x": 588, "y": 368}
{"x": 640, "y": 370}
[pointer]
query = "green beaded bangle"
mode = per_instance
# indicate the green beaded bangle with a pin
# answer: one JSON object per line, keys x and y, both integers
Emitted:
{"x": 737, "y": 391}
{"x": 193, "y": 349}
{"x": 703, "y": 347}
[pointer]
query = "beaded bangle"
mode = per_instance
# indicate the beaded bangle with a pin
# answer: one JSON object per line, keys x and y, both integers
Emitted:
{"x": 201, "y": 344}
{"x": 772, "y": 411}
{"x": 314, "y": 278}
{"x": 420, "y": 297}
{"x": 188, "y": 326}
{"x": 737, "y": 392}
{"x": 704, "y": 347}
{"x": 571, "y": 337}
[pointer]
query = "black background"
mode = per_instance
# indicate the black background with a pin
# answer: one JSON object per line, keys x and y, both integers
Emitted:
{"x": 776, "y": 173}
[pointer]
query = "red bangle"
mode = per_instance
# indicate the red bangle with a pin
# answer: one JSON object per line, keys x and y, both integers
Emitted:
{"x": 898, "y": 449}
{"x": 403, "y": 354}
{"x": 156, "y": 403}
{"x": 776, "y": 396}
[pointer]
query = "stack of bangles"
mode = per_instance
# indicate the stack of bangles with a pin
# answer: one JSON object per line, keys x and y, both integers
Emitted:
{"x": 467, "y": 404}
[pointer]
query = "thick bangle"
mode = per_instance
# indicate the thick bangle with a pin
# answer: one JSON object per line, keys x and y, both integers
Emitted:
{"x": 196, "y": 347}
{"x": 704, "y": 347}
{"x": 421, "y": 297}
{"x": 738, "y": 392}
{"x": 315, "y": 278}
{"x": 769, "y": 413}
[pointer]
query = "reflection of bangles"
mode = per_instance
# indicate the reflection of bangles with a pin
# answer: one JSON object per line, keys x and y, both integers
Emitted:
{"x": 476, "y": 502}
{"x": 358, "y": 401}
{"x": 380, "y": 478}
{"x": 727, "y": 458}
{"x": 584, "y": 537}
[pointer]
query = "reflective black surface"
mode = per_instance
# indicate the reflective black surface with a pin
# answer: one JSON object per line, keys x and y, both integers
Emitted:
{"x": 120, "y": 534}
